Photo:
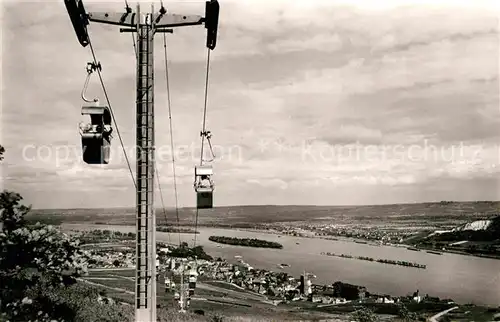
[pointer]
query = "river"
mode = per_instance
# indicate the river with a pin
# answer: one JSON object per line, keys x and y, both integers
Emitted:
{"x": 465, "y": 279}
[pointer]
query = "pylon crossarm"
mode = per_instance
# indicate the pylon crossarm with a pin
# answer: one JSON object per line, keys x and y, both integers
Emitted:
{"x": 129, "y": 20}
{"x": 174, "y": 20}
{"x": 113, "y": 18}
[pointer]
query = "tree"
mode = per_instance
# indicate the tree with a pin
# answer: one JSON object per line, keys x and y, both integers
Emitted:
{"x": 33, "y": 260}
{"x": 39, "y": 267}
{"x": 364, "y": 314}
{"x": 2, "y": 151}
{"x": 183, "y": 251}
{"x": 405, "y": 314}
{"x": 11, "y": 211}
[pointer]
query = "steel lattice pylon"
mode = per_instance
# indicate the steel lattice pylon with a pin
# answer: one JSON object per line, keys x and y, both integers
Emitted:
{"x": 145, "y": 294}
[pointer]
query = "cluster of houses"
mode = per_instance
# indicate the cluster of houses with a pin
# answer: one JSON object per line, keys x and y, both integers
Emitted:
{"x": 384, "y": 235}
{"x": 107, "y": 257}
{"x": 276, "y": 286}
{"x": 272, "y": 284}
{"x": 380, "y": 235}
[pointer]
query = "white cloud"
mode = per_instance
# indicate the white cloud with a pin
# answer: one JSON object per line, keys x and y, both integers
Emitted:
{"x": 326, "y": 42}
{"x": 437, "y": 62}
{"x": 269, "y": 183}
{"x": 81, "y": 170}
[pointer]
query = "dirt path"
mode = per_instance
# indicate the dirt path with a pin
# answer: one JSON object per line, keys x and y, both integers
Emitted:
{"x": 435, "y": 318}
{"x": 237, "y": 296}
{"x": 105, "y": 286}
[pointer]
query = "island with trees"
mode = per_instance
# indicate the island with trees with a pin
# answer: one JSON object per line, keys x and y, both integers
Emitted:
{"x": 248, "y": 242}
{"x": 168, "y": 229}
{"x": 383, "y": 261}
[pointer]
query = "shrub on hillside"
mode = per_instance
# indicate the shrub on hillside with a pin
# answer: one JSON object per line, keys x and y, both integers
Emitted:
{"x": 32, "y": 258}
{"x": 38, "y": 270}
{"x": 405, "y": 314}
{"x": 364, "y": 315}
{"x": 184, "y": 251}
{"x": 167, "y": 315}
{"x": 78, "y": 303}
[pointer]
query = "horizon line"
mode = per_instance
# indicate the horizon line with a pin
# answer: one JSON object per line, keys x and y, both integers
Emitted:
{"x": 285, "y": 205}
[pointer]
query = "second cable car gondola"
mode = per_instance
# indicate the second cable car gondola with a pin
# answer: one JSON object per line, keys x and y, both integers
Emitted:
{"x": 193, "y": 277}
{"x": 204, "y": 186}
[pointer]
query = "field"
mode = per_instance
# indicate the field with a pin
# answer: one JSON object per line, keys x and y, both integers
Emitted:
{"x": 423, "y": 215}
{"x": 220, "y": 298}
{"x": 213, "y": 298}
{"x": 462, "y": 314}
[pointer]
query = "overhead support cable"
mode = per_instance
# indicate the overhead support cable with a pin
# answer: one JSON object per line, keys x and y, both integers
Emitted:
{"x": 204, "y": 133}
{"x": 171, "y": 136}
{"x": 111, "y": 111}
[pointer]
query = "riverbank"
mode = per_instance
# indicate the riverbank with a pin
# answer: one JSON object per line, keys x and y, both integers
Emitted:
{"x": 307, "y": 234}
{"x": 453, "y": 251}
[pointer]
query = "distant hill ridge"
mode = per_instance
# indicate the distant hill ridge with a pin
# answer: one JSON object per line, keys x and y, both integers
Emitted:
{"x": 250, "y": 215}
{"x": 410, "y": 205}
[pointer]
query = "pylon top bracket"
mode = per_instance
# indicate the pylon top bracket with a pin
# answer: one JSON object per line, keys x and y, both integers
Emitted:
{"x": 129, "y": 20}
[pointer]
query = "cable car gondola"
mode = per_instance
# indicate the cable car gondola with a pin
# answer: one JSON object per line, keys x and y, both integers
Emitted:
{"x": 96, "y": 135}
{"x": 204, "y": 186}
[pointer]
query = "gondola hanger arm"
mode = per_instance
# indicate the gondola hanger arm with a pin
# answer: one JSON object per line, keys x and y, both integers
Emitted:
{"x": 207, "y": 135}
{"x": 91, "y": 67}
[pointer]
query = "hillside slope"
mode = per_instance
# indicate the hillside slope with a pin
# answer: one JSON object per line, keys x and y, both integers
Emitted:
{"x": 475, "y": 225}
{"x": 477, "y": 231}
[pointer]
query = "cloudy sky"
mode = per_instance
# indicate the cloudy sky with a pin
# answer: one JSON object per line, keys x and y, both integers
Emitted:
{"x": 310, "y": 102}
